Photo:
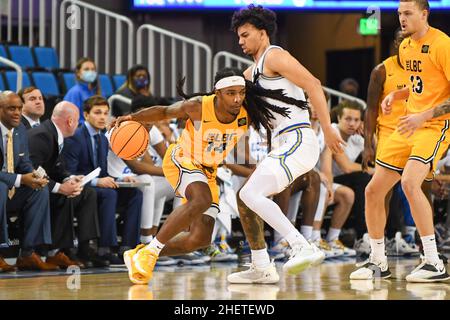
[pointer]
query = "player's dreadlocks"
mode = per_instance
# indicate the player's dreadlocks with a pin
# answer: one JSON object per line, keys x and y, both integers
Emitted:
{"x": 255, "y": 103}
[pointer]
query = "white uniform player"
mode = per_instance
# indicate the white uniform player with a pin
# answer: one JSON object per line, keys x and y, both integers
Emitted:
{"x": 294, "y": 151}
{"x": 292, "y": 137}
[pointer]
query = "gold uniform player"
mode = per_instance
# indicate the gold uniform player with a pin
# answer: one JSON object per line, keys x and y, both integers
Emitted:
{"x": 385, "y": 78}
{"x": 412, "y": 151}
{"x": 395, "y": 80}
{"x": 215, "y": 123}
{"x": 200, "y": 150}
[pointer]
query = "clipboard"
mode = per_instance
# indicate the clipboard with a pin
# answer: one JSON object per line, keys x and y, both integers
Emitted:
{"x": 91, "y": 176}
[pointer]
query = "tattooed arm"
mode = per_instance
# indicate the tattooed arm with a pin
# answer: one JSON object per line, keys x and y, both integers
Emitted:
{"x": 442, "y": 109}
{"x": 410, "y": 123}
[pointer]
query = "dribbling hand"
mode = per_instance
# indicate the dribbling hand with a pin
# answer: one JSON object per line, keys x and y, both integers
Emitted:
{"x": 116, "y": 122}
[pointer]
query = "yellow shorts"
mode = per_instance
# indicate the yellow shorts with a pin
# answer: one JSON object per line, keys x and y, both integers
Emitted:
{"x": 181, "y": 171}
{"x": 426, "y": 145}
{"x": 382, "y": 136}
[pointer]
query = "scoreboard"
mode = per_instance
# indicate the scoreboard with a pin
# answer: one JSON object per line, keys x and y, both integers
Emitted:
{"x": 316, "y": 5}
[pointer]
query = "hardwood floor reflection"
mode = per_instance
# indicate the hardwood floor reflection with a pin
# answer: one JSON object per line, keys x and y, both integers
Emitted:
{"x": 329, "y": 281}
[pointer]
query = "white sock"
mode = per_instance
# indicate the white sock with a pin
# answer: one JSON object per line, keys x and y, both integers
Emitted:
{"x": 333, "y": 234}
{"x": 155, "y": 245}
{"x": 378, "y": 249}
{"x": 315, "y": 235}
{"x": 146, "y": 239}
{"x": 295, "y": 237}
{"x": 260, "y": 258}
{"x": 306, "y": 231}
{"x": 430, "y": 249}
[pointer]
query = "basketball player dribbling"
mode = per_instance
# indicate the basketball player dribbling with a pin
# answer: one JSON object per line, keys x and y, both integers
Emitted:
{"x": 215, "y": 122}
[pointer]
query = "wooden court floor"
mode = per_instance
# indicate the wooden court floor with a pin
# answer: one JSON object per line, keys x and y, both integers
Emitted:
{"x": 328, "y": 281}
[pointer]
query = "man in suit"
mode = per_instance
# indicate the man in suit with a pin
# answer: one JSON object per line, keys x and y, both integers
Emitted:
{"x": 33, "y": 106}
{"x": 21, "y": 190}
{"x": 84, "y": 152}
{"x": 68, "y": 198}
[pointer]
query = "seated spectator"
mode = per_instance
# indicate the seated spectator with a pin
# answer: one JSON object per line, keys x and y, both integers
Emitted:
{"x": 68, "y": 198}
{"x": 346, "y": 171}
{"x": 441, "y": 185}
{"x": 331, "y": 193}
{"x": 33, "y": 106}
{"x": 88, "y": 150}
{"x": 334, "y": 112}
{"x": 21, "y": 190}
{"x": 137, "y": 83}
{"x": 349, "y": 86}
{"x": 87, "y": 84}
{"x": 169, "y": 132}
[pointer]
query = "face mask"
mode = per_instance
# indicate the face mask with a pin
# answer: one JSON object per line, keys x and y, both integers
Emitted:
{"x": 140, "y": 83}
{"x": 89, "y": 76}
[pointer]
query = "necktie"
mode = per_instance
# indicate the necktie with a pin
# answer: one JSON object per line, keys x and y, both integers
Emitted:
{"x": 97, "y": 148}
{"x": 10, "y": 160}
{"x": 60, "y": 147}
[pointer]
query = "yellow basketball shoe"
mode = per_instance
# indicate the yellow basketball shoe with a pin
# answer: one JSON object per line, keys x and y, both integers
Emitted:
{"x": 144, "y": 262}
{"x": 133, "y": 274}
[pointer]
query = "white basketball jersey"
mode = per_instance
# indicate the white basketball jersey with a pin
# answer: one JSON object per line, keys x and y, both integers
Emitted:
{"x": 354, "y": 147}
{"x": 296, "y": 114}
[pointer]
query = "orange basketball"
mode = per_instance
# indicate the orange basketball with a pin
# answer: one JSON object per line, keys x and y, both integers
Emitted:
{"x": 130, "y": 140}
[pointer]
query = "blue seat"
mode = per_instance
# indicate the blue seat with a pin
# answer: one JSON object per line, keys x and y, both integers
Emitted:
{"x": 119, "y": 80}
{"x": 46, "y": 57}
{"x": 46, "y": 82}
{"x": 2, "y": 83}
{"x": 3, "y": 54}
{"x": 106, "y": 85}
{"x": 69, "y": 80}
{"x": 11, "y": 80}
{"x": 22, "y": 56}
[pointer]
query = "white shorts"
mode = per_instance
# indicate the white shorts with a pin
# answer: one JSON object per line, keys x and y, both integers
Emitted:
{"x": 293, "y": 154}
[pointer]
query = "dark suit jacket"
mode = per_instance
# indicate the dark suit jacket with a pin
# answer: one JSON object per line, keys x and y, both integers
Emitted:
{"x": 25, "y": 123}
{"x": 43, "y": 144}
{"x": 22, "y": 163}
{"x": 78, "y": 153}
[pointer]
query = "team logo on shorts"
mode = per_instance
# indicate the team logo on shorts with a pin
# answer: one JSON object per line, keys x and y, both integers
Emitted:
{"x": 242, "y": 122}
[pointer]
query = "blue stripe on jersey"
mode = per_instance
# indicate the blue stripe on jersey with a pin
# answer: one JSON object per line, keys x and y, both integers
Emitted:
{"x": 294, "y": 127}
{"x": 282, "y": 157}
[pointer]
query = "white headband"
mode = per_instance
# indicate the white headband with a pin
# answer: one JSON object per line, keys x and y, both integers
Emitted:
{"x": 229, "y": 82}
